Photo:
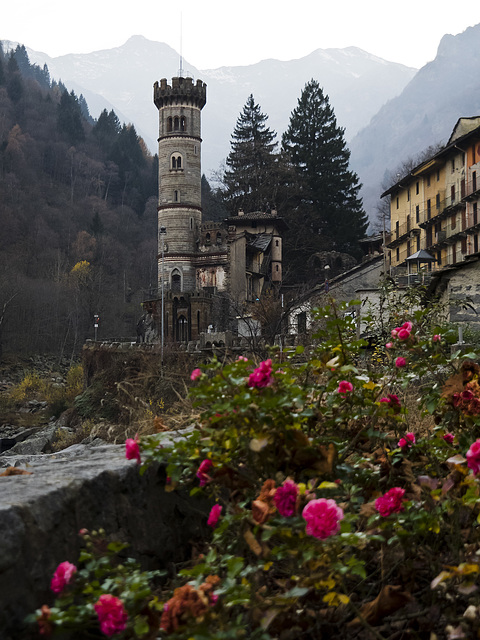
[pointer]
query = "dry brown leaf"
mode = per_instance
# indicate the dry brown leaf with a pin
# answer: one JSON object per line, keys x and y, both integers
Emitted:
{"x": 159, "y": 425}
{"x": 368, "y": 509}
{"x": 15, "y": 471}
{"x": 390, "y": 599}
{"x": 252, "y": 542}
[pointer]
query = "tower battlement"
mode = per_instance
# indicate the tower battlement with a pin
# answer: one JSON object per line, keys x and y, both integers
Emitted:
{"x": 181, "y": 91}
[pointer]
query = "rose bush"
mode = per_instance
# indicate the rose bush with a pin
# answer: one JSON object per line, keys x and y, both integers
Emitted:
{"x": 332, "y": 514}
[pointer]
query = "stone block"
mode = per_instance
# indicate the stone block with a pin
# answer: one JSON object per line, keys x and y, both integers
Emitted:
{"x": 81, "y": 487}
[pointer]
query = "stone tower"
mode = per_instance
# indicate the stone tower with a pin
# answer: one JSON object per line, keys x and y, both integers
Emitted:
{"x": 179, "y": 179}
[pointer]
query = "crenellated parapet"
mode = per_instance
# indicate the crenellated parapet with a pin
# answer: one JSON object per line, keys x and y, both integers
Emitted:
{"x": 181, "y": 91}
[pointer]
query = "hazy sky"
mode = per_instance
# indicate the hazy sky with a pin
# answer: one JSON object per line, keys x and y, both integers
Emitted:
{"x": 218, "y": 33}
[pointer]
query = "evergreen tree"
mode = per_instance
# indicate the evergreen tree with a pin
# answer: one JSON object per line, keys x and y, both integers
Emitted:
{"x": 2, "y": 71}
{"x": 250, "y": 178}
{"x": 212, "y": 205}
{"x": 69, "y": 118}
{"x": 328, "y": 212}
{"x": 107, "y": 129}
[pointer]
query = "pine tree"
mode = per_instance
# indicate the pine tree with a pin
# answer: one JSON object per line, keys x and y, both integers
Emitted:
{"x": 328, "y": 212}
{"x": 212, "y": 204}
{"x": 69, "y": 118}
{"x": 107, "y": 129}
{"x": 249, "y": 179}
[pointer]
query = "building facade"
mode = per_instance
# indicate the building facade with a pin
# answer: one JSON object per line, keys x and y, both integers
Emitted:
{"x": 434, "y": 207}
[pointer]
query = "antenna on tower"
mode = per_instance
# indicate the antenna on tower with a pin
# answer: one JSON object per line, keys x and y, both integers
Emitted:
{"x": 180, "y": 71}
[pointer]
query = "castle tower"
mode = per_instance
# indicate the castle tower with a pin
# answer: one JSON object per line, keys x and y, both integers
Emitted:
{"x": 179, "y": 179}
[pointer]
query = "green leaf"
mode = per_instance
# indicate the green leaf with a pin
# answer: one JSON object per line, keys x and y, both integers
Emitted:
{"x": 141, "y": 627}
{"x": 234, "y": 566}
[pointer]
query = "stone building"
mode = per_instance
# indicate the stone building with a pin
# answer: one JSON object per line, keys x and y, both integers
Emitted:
{"x": 208, "y": 273}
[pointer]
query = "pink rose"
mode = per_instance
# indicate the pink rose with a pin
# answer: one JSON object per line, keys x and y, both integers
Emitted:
{"x": 242, "y": 359}
{"x": 285, "y": 498}
{"x": 345, "y": 387}
{"x": 403, "y": 334}
{"x": 449, "y": 437}
{"x": 322, "y": 517}
{"x": 62, "y": 576}
{"x": 394, "y": 333}
{"x": 391, "y": 398}
{"x": 132, "y": 450}
{"x": 400, "y": 362}
{"x": 214, "y": 515}
{"x": 389, "y": 345}
{"x": 408, "y": 326}
{"x": 437, "y": 337}
{"x": 262, "y": 376}
{"x": 407, "y": 440}
{"x": 473, "y": 457}
{"x": 196, "y": 373}
{"x": 390, "y": 502}
{"x": 202, "y": 473}
{"x": 111, "y": 614}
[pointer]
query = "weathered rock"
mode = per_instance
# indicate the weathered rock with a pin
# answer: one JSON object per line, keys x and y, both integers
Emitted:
{"x": 38, "y": 441}
{"x": 82, "y": 486}
{"x": 10, "y": 435}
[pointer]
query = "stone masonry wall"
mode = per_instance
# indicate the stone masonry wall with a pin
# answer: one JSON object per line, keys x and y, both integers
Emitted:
{"x": 41, "y": 514}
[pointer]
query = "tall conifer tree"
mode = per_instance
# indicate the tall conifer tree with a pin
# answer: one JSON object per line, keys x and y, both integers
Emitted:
{"x": 328, "y": 212}
{"x": 249, "y": 179}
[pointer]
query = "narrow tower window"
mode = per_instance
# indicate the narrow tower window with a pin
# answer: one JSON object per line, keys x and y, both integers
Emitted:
{"x": 176, "y": 281}
{"x": 176, "y": 196}
{"x": 183, "y": 123}
{"x": 169, "y": 124}
{"x": 176, "y": 123}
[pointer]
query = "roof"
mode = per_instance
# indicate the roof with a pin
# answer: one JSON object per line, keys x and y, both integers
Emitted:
{"x": 257, "y": 216}
{"x": 260, "y": 241}
{"x": 421, "y": 256}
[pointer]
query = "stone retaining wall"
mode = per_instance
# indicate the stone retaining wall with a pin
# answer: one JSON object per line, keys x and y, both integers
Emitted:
{"x": 41, "y": 514}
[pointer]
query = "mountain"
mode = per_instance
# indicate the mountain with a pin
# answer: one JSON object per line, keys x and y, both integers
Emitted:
{"x": 357, "y": 83}
{"x": 424, "y": 114}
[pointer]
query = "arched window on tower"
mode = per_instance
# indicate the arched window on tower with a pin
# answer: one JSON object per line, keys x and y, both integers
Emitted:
{"x": 219, "y": 237}
{"x": 176, "y": 161}
{"x": 169, "y": 123}
{"x": 176, "y": 123}
{"x": 183, "y": 123}
{"x": 176, "y": 281}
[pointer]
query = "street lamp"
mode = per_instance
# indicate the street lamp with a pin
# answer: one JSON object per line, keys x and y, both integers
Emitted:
{"x": 163, "y": 233}
{"x": 327, "y": 269}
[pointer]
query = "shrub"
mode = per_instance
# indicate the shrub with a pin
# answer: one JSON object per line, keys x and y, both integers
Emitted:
{"x": 329, "y": 512}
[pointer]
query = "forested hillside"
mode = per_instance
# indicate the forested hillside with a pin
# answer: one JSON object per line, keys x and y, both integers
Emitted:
{"x": 77, "y": 215}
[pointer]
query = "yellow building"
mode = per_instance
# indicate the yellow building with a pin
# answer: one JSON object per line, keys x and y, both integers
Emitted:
{"x": 434, "y": 207}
